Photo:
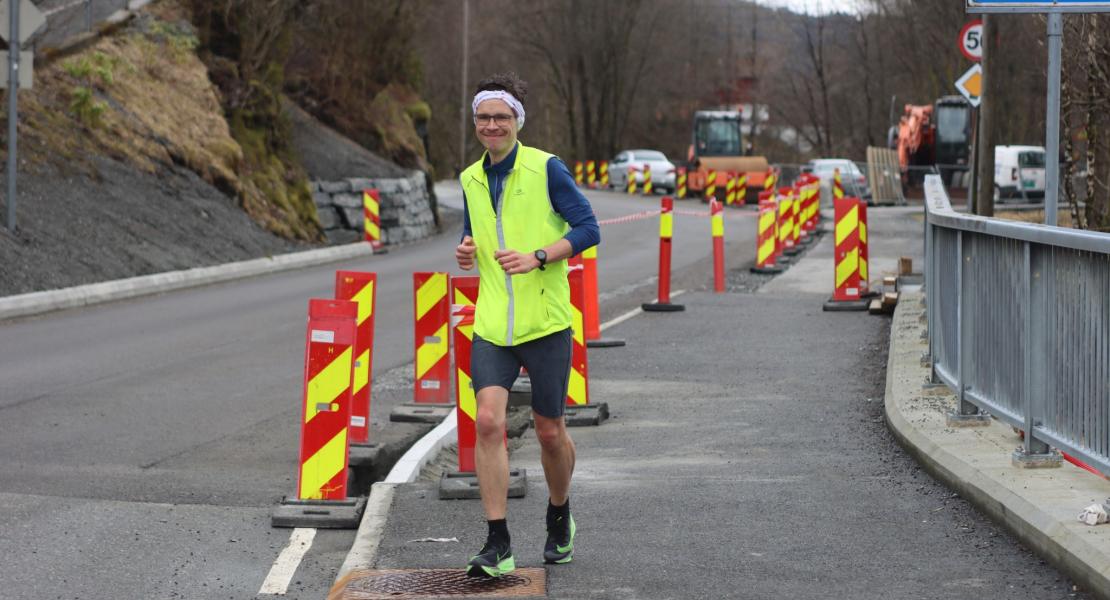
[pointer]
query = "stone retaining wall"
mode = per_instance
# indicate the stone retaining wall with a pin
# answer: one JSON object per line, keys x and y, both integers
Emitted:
{"x": 405, "y": 208}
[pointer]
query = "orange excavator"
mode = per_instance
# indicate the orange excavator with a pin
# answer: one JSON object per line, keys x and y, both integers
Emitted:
{"x": 936, "y": 135}
{"x": 718, "y": 146}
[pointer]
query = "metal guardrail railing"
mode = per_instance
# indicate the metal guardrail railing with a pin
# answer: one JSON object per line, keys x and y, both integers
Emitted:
{"x": 1019, "y": 325}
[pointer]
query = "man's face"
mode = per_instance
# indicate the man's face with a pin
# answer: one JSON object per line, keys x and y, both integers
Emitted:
{"x": 495, "y": 124}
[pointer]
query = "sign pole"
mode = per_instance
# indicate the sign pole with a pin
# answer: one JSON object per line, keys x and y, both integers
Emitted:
{"x": 13, "y": 106}
{"x": 1052, "y": 123}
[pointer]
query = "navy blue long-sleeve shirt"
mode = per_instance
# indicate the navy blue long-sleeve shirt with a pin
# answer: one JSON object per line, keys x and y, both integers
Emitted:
{"x": 566, "y": 199}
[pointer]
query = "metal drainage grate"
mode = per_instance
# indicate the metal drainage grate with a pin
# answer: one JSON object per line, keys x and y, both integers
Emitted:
{"x": 440, "y": 583}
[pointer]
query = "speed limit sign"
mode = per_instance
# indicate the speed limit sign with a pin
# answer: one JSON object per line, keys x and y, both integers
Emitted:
{"x": 971, "y": 40}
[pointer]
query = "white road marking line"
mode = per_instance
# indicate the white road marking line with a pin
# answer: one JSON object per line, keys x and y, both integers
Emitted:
{"x": 277, "y": 582}
{"x": 632, "y": 313}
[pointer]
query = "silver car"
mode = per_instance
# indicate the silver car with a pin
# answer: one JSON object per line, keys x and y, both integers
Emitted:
{"x": 851, "y": 177}
{"x": 630, "y": 163}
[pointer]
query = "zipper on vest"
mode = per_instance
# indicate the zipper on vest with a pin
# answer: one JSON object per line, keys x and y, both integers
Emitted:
{"x": 501, "y": 243}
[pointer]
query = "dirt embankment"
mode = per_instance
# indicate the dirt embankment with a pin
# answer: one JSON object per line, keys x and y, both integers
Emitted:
{"x": 127, "y": 166}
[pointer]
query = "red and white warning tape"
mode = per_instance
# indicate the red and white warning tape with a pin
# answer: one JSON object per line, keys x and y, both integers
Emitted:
{"x": 646, "y": 214}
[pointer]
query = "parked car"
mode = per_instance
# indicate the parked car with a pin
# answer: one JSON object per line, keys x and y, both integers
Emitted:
{"x": 851, "y": 177}
{"x": 630, "y": 163}
{"x": 1018, "y": 172}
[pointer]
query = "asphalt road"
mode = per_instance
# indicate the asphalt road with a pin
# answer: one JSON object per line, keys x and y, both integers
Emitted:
{"x": 144, "y": 443}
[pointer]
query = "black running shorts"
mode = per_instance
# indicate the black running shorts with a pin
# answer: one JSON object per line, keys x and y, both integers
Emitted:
{"x": 547, "y": 360}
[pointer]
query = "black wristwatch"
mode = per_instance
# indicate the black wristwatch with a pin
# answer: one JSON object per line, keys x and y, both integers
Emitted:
{"x": 541, "y": 256}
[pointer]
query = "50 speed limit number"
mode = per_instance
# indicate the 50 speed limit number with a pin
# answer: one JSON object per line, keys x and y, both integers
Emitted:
{"x": 971, "y": 40}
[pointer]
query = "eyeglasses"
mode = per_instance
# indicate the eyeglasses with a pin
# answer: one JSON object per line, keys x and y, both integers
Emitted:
{"x": 500, "y": 119}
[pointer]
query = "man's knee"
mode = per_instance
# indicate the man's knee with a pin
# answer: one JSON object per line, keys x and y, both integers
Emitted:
{"x": 490, "y": 423}
{"x": 551, "y": 433}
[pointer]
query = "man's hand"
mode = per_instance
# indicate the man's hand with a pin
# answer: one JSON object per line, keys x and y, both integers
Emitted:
{"x": 515, "y": 263}
{"x": 464, "y": 253}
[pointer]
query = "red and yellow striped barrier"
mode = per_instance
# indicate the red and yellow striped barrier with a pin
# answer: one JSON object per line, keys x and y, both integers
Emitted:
{"x": 631, "y": 180}
{"x": 680, "y": 183}
{"x": 361, "y": 288}
{"x": 717, "y": 230}
{"x": 465, "y": 292}
{"x": 710, "y": 185}
{"x": 769, "y": 180}
{"x": 742, "y": 189}
{"x": 864, "y": 286}
{"x": 433, "y": 361}
{"x": 591, "y": 174}
{"x": 578, "y": 172}
{"x": 796, "y": 216}
{"x": 785, "y": 220}
{"x": 326, "y": 406}
{"x": 765, "y": 242}
{"x": 603, "y": 174}
{"x": 730, "y": 189}
{"x": 578, "y": 388}
{"x": 647, "y": 179}
{"x": 371, "y": 218}
{"x": 846, "y": 286}
{"x": 838, "y": 185}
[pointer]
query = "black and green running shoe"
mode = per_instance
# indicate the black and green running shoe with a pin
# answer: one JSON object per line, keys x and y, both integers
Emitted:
{"x": 493, "y": 561}
{"x": 560, "y": 540}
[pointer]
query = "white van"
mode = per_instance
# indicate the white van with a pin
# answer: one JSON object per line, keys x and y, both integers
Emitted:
{"x": 1018, "y": 172}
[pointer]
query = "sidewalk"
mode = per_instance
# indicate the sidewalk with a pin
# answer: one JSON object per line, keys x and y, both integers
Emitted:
{"x": 747, "y": 456}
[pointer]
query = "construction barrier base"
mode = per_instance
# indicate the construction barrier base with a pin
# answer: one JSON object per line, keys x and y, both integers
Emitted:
{"x": 767, "y": 270}
{"x": 464, "y": 486}
{"x": 586, "y": 415}
{"x": 662, "y": 307}
{"x": 521, "y": 392}
{"x": 844, "y": 305}
{"x": 361, "y": 455}
{"x": 412, "y": 412}
{"x": 1051, "y": 460}
{"x": 793, "y": 251}
{"x": 955, "y": 419}
{"x": 604, "y": 343}
{"x": 319, "y": 514}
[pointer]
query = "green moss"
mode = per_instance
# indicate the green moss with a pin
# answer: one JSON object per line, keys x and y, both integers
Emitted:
{"x": 419, "y": 111}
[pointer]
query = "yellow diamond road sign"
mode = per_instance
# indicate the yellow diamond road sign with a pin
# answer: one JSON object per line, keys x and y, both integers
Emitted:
{"x": 970, "y": 84}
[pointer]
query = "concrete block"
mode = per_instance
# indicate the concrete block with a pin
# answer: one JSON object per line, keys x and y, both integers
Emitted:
{"x": 420, "y": 413}
{"x": 362, "y": 455}
{"x": 357, "y": 184}
{"x": 348, "y": 200}
{"x": 321, "y": 199}
{"x": 587, "y": 415}
{"x": 464, "y": 486}
{"x": 955, "y": 419}
{"x": 325, "y": 514}
{"x": 1051, "y": 460}
{"x": 334, "y": 187}
{"x": 352, "y": 217}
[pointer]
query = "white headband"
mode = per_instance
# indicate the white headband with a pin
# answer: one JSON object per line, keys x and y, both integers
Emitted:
{"x": 509, "y": 99}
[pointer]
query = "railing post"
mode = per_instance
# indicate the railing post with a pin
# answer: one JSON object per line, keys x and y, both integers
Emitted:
{"x": 966, "y": 414}
{"x": 1033, "y": 452}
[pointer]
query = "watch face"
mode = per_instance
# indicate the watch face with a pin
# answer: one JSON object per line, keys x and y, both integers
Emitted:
{"x": 541, "y": 256}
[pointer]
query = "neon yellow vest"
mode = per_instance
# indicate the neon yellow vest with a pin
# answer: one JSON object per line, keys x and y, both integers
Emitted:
{"x": 518, "y": 308}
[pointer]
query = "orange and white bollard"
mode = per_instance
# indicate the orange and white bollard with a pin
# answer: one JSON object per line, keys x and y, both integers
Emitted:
{"x": 666, "y": 230}
{"x": 717, "y": 230}
{"x": 680, "y": 183}
{"x": 710, "y": 185}
{"x": 765, "y": 241}
{"x": 578, "y": 172}
{"x": 846, "y": 292}
{"x": 593, "y": 316}
{"x": 603, "y": 174}
{"x": 372, "y": 220}
{"x": 321, "y": 499}
{"x": 433, "y": 360}
{"x": 591, "y": 174}
{"x": 361, "y": 288}
{"x": 742, "y": 189}
{"x": 647, "y": 179}
{"x": 730, "y": 189}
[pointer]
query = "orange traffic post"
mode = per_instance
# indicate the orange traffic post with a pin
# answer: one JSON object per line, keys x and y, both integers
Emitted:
{"x": 765, "y": 237}
{"x": 742, "y": 189}
{"x": 361, "y": 288}
{"x": 372, "y": 220}
{"x": 680, "y": 183}
{"x": 591, "y": 174}
{"x": 578, "y": 172}
{"x": 647, "y": 179}
{"x": 717, "y": 230}
{"x": 710, "y": 185}
{"x": 430, "y": 341}
{"x": 846, "y": 294}
{"x": 666, "y": 230}
{"x": 321, "y": 499}
{"x": 593, "y": 316}
{"x": 603, "y": 174}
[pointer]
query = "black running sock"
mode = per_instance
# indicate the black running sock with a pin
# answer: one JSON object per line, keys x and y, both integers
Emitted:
{"x": 499, "y": 532}
{"x": 558, "y": 511}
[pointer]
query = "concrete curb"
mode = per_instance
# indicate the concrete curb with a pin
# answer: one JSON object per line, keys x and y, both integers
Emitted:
{"x": 36, "y": 303}
{"x": 364, "y": 550}
{"x": 1037, "y": 506}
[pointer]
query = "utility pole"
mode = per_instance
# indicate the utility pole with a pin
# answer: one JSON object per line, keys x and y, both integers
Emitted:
{"x": 14, "y": 46}
{"x": 984, "y": 202}
{"x": 464, "y": 104}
